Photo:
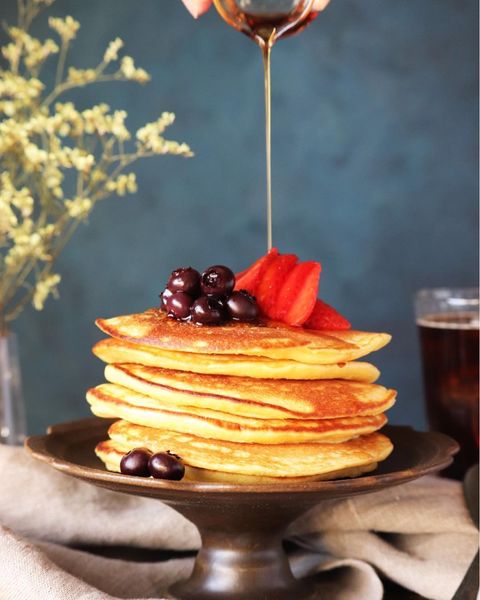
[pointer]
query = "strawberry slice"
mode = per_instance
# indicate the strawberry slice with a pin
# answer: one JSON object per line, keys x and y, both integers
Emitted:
{"x": 326, "y": 317}
{"x": 249, "y": 279}
{"x": 272, "y": 280}
{"x": 297, "y": 296}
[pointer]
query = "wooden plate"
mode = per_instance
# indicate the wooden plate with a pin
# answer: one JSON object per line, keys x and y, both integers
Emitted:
{"x": 241, "y": 525}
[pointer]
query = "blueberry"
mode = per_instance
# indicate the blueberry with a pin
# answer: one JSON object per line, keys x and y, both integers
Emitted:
{"x": 242, "y": 306}
{"x": 178, "y": 305}
{"x": 185, "y": 280}
{"x": 218, "y": 281}
{"x": 164, "y": 465}
{"x": 208, "y": 310}
{"x": 135, "y": 462}
{"x": 164, "y": 297}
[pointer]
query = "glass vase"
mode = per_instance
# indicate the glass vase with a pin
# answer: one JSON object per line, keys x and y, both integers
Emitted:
{"x": 12, "y": 410}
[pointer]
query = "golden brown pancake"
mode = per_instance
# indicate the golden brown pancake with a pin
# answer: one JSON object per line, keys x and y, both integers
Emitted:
{"x": 325, "y": 460}
{"x": 117, "y": 351}
{"x": 271, "y": 339}
{"x": 110, "y": 400}
{"x": 262, "y": 398}
{"x": 111, "y": 454}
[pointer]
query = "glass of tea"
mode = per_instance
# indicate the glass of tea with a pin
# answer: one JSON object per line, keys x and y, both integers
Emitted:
{"x": 448, "y": 325}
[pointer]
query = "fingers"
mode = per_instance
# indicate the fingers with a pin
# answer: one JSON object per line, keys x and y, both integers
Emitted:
{"x": 197, "y": 7}
{"x": 320, "y": 4}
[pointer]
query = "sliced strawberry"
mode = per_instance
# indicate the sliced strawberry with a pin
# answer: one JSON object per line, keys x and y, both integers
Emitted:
{"x": 272, "y": 280}
{"x": 326, "y": 317}
{"x": 298, "y": 294}
{"x": 249, "y": 279}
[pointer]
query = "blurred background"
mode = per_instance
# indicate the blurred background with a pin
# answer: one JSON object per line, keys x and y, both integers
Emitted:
{"x": 375, "y": 160}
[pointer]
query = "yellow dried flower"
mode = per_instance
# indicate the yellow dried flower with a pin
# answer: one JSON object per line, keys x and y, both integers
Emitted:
{"x": 67, "y": 120}
{"x": 78, "y": 159}
{"x": 94, "y": 119}
{"x": 131, "y": 72}
{"x": 81, "y": 76}
{"x": 111, "y": 53}
{"x": 17, "y": 92}
{"x": 78, "y": 208}
{"x": 53, "y": 179}
{"x": 116, "y": 125}
{"x": 15, "y": 204}
{"x": 33, "y": 52}
{"x": 66, "y": 28}
{"x": 29, "y": 243}
{"x": 44, "y": 288}
{"x": 38, "y": 53}
{"x": 12, "y": 54}
{"x": 57, "y": 162}
{"x": 127, "y": 182}
{"x": 36, "y": 157}
{"x": 150, "y": 138}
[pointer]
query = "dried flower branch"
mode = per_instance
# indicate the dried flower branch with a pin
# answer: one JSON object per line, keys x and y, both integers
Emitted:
{"x": 57, "y": 162}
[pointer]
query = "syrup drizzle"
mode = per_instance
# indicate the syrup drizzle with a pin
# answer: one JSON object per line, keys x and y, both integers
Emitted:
{"x": 265, "y": 30}
{"x": 266, "y": 53}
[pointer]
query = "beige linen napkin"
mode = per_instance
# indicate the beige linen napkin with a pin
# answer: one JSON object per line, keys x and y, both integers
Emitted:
{"x": 418, "y": 534}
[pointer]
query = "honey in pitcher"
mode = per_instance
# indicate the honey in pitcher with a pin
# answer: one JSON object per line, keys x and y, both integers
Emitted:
{"x": 260, "y": 26}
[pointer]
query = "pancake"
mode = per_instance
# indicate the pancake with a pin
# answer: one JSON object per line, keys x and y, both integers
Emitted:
{"x": 262, "y": 398}
{"x": 110, "y": 400}
{"x": 111, "y": 454}
{"x": 323, "y": 460}
{"x": 270, "y": 339}
{"x": 117, "y": 351}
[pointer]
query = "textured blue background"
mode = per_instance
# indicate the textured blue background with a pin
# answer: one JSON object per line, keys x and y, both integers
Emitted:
{"x": 374, "y": 165}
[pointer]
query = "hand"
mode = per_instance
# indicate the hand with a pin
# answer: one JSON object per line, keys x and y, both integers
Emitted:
{"x": 198, "y": 7}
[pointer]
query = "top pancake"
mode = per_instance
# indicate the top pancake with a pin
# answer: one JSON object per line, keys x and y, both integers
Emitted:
{"x": 270, "y": 339}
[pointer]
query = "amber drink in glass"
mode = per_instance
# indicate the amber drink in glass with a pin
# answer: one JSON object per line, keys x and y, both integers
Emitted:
{"x": 448, "y": 325}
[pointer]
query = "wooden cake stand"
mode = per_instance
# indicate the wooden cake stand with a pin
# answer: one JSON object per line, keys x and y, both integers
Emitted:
{"x": 242, "y": 526}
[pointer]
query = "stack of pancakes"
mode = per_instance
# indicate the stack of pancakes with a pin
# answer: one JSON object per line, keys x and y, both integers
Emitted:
{"x": 242, "y": 401}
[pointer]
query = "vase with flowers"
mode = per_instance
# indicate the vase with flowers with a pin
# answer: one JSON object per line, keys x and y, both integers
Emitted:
{"x": 57, "y": 162}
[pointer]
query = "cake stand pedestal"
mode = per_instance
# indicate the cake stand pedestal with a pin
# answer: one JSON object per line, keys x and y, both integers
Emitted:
{"x": 241, "y": 525}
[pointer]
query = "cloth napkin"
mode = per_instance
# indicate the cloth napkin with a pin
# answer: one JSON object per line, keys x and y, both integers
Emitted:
{"x": 419, "y": 535}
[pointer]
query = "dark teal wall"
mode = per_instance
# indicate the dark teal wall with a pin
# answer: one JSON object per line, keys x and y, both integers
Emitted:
{"x": 375, "y": 130}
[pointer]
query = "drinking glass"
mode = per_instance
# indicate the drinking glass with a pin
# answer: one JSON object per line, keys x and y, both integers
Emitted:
{"x": 448, "y": 326}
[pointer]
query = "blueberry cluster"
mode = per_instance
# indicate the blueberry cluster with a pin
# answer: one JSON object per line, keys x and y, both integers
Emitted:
{"x": 141, "y": 462}
{"x": 207, "y": 299}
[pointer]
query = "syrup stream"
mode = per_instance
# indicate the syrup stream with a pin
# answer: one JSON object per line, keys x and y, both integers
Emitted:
{"x": 266, "y": 53}
{"x": 265, "y": 29}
